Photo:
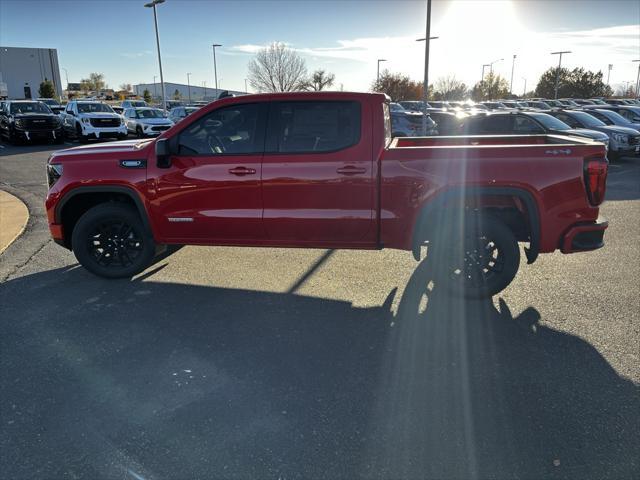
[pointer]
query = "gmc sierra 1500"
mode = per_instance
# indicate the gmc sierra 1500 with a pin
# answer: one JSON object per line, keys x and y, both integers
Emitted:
{"x": 322, "y": 170}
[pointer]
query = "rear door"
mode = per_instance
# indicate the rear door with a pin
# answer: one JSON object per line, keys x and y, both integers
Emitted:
{"x": 318, "y": 173}
{"x": 211, "y": 192}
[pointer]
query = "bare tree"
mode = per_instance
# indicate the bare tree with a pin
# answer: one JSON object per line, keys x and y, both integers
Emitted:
{"x": 277, "y": 68}
{"x": 449, "y": 88}
{"x": 319, "y": 80}
{"x": 126, "y": 87}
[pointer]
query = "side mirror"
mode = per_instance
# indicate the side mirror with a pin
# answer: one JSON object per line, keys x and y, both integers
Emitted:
{"x": 163, "y": 153}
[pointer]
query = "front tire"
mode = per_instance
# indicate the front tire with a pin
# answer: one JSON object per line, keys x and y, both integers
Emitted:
{"x": 139, "y": 132}
{"x": 111, "y": 241}
{"x": 81, "y": 138}
{"x": 477, "y": 256}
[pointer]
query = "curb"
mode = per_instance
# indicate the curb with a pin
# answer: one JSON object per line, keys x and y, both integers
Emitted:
{"x": 14, "y": 216}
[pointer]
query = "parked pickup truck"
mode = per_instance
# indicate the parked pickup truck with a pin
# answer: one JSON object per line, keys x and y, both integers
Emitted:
{"x": 322, "y": 170}
{"x": 85, "y": 119}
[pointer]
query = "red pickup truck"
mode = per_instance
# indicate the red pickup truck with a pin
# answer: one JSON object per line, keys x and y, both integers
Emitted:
{"x": 322, "y": 170}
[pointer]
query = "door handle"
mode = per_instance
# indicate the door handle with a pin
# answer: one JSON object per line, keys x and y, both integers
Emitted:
{"x": 351, "y": 170}
{"x": 242, "y": 171}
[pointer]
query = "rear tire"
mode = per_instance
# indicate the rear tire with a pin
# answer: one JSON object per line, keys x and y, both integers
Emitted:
{"x": 111, "y": 241}
{"x": 477, "y": 256}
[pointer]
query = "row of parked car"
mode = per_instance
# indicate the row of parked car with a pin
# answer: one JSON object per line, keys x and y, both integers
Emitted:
{"x": 46, "y": 119}
{"x": 613, "y": 122}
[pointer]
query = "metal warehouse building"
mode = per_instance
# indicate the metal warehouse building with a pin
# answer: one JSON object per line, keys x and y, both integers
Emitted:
{"x": 197, "y": 93}
{"x": 23, "y": 69}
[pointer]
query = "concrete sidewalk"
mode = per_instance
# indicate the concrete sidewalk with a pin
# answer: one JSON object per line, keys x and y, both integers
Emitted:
{"x": 13, "y": 219}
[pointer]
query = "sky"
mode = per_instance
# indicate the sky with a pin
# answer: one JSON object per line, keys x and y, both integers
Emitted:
{"x": 116, "y": 37}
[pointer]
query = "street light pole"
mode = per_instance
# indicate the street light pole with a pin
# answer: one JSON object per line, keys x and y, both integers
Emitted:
{"x": 637, "y": 79}
{"x": 378, "y": 72}
{"x": 155, "y": 93}
{"x": 246, "y": 90}
{"x": 609, "y": 72}
{"x": 153, "y": 4}
{"x": 525, "y": 87}
{"x": 215, "y": 67}
{"x": 189, "y": 87}
{"x": 558, "y": 71}
{"x": 425, "y": 85}
{"x": 513, "y": 62}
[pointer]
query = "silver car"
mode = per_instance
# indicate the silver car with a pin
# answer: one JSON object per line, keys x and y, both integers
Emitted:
{"x": 178, "y": 113}
{"x": 146, "y": 121}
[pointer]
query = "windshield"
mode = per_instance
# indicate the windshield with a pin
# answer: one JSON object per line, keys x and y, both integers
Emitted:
{"x": 30, "y": 107}
{"x": 550, "y": 122}
{"x": 614, "y": 117}
{"x": 138, "y": 103}
{"x": 587, "y": 120}
{"x": 151, "y": 113}
{"x": 396, "y": 107}
{"x": 94, "y": 107}
{"x": 190, "y": 110}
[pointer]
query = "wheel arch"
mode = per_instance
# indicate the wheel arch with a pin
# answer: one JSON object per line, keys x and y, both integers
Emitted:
{"x": 466, "y": 195}
{"x": 79, "y": 200}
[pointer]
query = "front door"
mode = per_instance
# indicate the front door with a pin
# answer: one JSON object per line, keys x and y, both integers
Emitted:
{"x": 318, "y": 174}
{"x": 211, "y": 191}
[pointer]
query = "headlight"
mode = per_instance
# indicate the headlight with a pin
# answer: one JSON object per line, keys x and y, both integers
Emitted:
{"x": 86, "y": 120}
{"x": 54, "y": 172}
{"x": 19, "y": 123}
{"x": 621, "y": 137}
{"x": 121, "y": 121}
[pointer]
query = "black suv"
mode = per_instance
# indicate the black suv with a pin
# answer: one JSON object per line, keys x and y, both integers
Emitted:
{"x": 29, "y": 120}
{"x": 525, "y": 123}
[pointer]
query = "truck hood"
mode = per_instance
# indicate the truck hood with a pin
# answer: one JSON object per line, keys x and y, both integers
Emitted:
{"x": 583, "y": 132}
{"x": 17, "y": 116}
{"x": 122, "y": 147}
{"x": 155, "y": 121}
{"x": 98, "y": 115}
{"x": 619, "y": 129}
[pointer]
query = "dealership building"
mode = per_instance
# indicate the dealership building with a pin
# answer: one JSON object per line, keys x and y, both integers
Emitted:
{"x": 22, "y": 70}
{"x": 198, "y": 94}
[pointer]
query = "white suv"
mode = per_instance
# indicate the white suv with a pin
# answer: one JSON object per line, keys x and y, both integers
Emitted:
{"x": 91, "y": 119}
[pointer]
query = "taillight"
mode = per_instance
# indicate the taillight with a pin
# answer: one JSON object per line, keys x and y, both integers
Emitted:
{"x": 595, "y": 179}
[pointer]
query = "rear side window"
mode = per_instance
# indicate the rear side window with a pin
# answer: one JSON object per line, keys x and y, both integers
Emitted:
{"x": 526, "y": 125}
{"x": 308, "y": 127}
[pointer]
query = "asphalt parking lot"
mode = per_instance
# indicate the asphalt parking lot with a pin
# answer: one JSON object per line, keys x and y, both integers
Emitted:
{"x": 275, "y": 363}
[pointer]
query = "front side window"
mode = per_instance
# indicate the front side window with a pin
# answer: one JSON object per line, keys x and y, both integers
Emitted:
{"x": 568, "y": 120}
{"x": 306, "y": 127}
{"x": 601, "y": 117}
{"x": 232, "y": 130}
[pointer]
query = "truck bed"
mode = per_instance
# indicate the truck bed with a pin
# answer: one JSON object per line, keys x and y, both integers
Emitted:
{"x": 489, "y": 141}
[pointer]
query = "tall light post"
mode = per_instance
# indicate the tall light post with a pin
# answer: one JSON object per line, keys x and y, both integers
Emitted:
{"x": 637, "y": 79}
{"x": 609, "y": 72}
{"x": 524, "y": 92}
{"x": 513, "y": 63}
{"x": 246, "y": 90}
{"x": 425, "y": 85}
{"x": 215, "y": 67}
{"x": 378, "y": 71}
{"x": 491, "y": 64}
{"x": 153, "y": 4}
{"x": 189, "y": 87}
{"x": 155, "y": 93}
{"x": 204, "y": 84}
{"x": 558, "y": 71}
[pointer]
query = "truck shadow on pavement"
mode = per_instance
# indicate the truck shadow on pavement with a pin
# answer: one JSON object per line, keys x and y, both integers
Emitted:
{"x": 144, "y": 379}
